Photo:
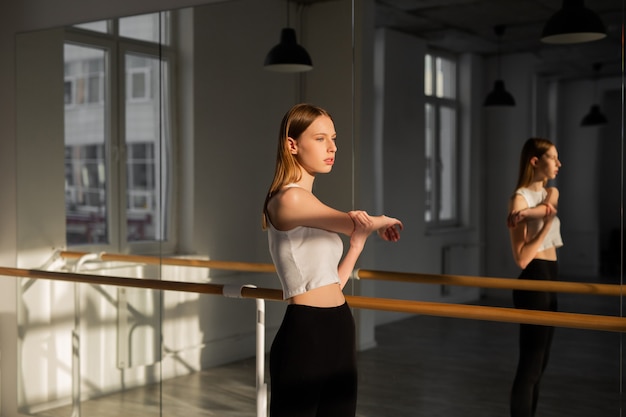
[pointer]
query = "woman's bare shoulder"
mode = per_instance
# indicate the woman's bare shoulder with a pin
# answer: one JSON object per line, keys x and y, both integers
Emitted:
{"x": 291, "y": 207}
{"x": 553, "y": 191}
{"x": 517, "y": 202}
{"x": 291, "y": 196}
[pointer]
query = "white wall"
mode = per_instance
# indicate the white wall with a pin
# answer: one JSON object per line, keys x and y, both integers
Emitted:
{"x": 40, "y": 196}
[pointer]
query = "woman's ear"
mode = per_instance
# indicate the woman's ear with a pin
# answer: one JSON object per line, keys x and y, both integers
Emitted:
{"x": 293, "y": 145}
{"x": 533, "y": 161}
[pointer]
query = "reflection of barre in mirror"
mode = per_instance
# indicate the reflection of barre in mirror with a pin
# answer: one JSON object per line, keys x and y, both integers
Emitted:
{"x": 447, "y": 279}
{"x": 500, "y": 314}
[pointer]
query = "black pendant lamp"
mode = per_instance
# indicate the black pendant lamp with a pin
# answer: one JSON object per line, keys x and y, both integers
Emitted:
{"x": 288, "y": 56}
{"x": 573, "y": 23}
{"x": 499, "y": 96}
{"x": 595, "y": 116}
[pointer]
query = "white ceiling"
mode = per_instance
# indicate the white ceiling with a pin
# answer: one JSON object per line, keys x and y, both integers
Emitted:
{"x": 468, "y": 26}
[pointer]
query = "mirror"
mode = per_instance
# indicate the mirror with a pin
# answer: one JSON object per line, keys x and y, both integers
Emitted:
{"x": 215, "y": 150}
{"x": 110, "y": 340}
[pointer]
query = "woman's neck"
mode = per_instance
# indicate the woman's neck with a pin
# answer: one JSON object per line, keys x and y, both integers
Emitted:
{"x": 536, "y": 186}
{"x": 306, "y": 181}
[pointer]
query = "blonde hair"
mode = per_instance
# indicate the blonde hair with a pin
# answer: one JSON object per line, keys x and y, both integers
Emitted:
{"x": 534, "y": 147}
{"x": 287, "y": 170}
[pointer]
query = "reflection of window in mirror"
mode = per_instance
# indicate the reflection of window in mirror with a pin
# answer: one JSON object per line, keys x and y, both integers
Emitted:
{"x": 153, "y": 27}
{"x": 101, "y": 26}
{"x": 138, "y": 79}
{"x": 117, "y": 173}
{"x": 441, "y": 141}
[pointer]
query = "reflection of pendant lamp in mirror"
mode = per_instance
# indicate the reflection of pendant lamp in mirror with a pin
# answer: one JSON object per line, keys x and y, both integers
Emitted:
{"x": 499, "y": 96}
{"x": 573, "y": 23}
{"x": 288, "y": 56}
{"x": 595, "y": 116}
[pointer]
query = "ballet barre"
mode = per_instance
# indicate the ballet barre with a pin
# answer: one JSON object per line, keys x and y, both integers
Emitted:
{"x": 464, "y": 311}
{"x": 364, "y": 274}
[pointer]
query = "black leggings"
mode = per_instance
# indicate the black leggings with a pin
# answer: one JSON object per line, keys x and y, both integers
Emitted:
{"x": 313, "y": 371}
{"x": 534, "y": 340}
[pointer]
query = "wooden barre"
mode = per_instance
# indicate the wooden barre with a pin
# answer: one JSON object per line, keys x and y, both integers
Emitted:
{"x": 154, "y": 284}
{"x": 459, "y": 280}
{"x": 501, "y": 283}
{"x": 153, "y": 260}
{"x": 500, "y": 314}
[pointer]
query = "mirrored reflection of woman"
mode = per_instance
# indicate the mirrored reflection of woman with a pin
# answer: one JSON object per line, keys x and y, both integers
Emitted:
{"x": 313, "y": 371}
{"x": 535, "y": 236}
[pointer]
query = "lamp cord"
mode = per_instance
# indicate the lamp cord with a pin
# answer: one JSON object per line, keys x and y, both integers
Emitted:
{"x": 499, "y": 31}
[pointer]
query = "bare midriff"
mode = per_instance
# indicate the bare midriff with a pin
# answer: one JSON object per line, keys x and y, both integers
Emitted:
{"x": 326, "y": 296}
{"x": 547, "y": 254}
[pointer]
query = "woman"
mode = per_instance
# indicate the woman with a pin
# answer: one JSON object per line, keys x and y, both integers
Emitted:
{"x": 313, "y": 356}
{"x": 535, "y": 236}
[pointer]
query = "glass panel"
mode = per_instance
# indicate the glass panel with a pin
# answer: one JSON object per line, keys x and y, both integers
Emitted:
{"x": 428, "y": 75}
{"x": 145, "y": 109}
{"x": 152, "y": 27}
{"x": 85, "y": 145}
{"x": 441, "y": 146}
{"x": 101, "y": 26}
{"x": 429, "y": 152}
{"x": 447, "y": 165}
{"x": 446, "y": 78}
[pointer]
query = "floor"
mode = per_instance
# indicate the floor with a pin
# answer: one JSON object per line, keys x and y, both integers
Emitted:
{"x": 422, "y": 366}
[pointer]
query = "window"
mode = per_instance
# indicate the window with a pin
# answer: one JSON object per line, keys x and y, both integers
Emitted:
{"x": 117, "y": 128}
{"x": 138, "y": 84}
{"x": 441, "y": 150}
{"x": 84, "y": 76}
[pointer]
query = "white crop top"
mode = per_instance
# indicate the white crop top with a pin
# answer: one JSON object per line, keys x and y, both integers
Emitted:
{"x": 553, "y": 238}
{"x": 305, "y": 258}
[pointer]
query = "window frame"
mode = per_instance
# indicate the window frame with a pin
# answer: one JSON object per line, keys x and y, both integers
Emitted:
{"x": 437, "y": 104}
{"x": 117, "y": 48}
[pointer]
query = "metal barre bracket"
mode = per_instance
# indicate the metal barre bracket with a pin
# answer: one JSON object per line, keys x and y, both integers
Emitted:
{"x": 234, "y": 291}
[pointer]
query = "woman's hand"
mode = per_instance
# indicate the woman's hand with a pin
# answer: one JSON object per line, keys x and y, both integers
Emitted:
{"x": 390, "y": 231}
{"x": 550, "y": 211}
{"x": 387, "y": 228}
{"x": 363, "y": 227}
{"x": 515, "y": 217}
